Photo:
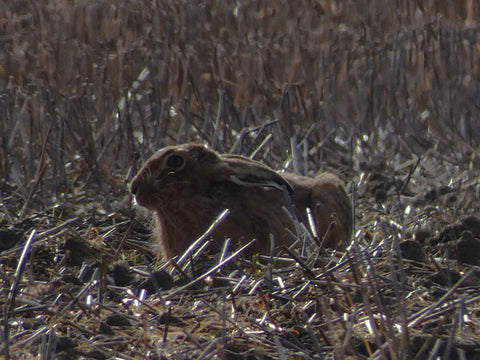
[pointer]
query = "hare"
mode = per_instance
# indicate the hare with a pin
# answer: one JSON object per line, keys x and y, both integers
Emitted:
{"x": 187, "y": 186}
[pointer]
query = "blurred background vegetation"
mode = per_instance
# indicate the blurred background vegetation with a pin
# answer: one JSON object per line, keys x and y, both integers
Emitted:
{"x": 89, "y": 89}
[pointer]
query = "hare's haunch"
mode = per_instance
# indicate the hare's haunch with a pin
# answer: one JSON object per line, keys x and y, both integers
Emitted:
{"x": 187, "y": 186}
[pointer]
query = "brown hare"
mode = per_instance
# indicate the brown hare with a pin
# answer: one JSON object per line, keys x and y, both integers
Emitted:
{"x": 188, "y": 185}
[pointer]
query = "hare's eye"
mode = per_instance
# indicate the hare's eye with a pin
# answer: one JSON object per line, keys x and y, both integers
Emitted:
{"x": 174, "y": 161}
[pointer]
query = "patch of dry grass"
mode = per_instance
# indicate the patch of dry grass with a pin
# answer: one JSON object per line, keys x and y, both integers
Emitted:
{"x": 385, "y": 95}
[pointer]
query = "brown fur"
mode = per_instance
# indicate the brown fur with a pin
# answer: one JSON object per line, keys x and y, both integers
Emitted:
{"x": 186, "y": 198}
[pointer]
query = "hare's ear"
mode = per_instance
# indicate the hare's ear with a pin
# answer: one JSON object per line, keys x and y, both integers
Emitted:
{"x": 202, "y": 154}
{"x": 248, "y": 172}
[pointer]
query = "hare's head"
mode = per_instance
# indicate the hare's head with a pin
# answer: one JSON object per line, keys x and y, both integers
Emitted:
{"x": 189, "y": 170}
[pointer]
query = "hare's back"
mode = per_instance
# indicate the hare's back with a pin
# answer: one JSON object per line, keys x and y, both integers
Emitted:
{"x": 331, "y": 207}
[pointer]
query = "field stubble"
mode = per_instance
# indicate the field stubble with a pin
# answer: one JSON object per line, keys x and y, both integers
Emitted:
{"x": 387, "y": 97}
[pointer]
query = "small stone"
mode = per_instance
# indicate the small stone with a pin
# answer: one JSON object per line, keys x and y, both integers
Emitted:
{"x": 431, "y": 196}
{"x": 163, "y": 280}
{"x": 166, "y": 317}
{"x": 412, "y": 250}
{"x": 421, "y": 235}
{"x": 472, "y": 222}
{"x": 118, "y": 320}
{"x": 468, "y": 249}
{"x": 105, "y": 329}
{"x": 451, "y": 232}
{"x": 121, "y": 273}
{"x": 9, "y": 238}
{"x": 65, "y": 343}
{"x": 78, "y": 251}
{"x": 445, "y": 277}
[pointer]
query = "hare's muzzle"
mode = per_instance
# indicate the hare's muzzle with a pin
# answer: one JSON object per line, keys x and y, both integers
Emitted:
{"x": 143, "y": 193}
{"x": 139, "y": 187}
{"x": 141, "y": 182}
{"x": 134, "y": 186}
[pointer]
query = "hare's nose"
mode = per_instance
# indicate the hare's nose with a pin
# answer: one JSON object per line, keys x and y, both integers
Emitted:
{"x": 134, "y": 187}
